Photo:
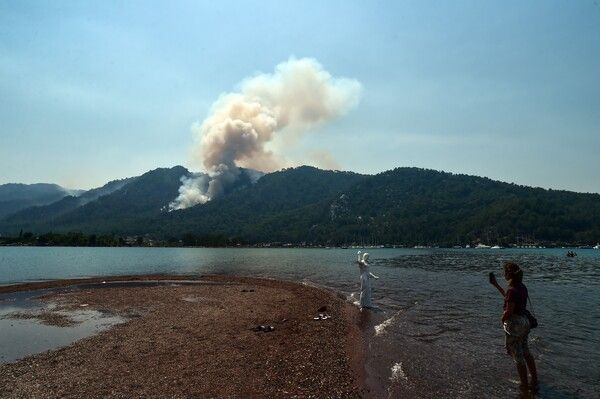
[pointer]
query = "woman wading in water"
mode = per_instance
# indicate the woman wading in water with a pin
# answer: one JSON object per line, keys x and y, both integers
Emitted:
{"x": 516, "y": 324}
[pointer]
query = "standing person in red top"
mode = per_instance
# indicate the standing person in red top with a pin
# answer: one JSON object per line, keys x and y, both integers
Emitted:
{"x": 516, "y": 325}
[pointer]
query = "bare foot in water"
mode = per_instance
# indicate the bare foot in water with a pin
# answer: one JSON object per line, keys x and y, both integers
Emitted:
{"x": 524, "y": 391}
{"x": 534, "y": 386}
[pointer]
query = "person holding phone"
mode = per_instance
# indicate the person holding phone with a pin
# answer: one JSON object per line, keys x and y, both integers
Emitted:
{"x": 516, "y": 325}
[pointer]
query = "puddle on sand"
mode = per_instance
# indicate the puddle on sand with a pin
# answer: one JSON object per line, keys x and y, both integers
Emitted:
{"x": 21, "y": 337}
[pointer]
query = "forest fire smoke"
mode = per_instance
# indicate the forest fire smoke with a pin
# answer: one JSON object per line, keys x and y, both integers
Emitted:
{"x": 299, "y": 95}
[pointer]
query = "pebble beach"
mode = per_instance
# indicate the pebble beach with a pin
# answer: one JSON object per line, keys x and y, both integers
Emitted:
{"x": 206, "y": 336}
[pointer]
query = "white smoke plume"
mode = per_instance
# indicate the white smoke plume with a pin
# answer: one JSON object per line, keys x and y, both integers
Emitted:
{"x": 299, "y": 95}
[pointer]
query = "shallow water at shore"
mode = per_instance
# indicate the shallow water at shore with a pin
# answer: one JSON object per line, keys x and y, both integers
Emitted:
{"x": 24, "y": 333}
{"x": 437, "y": 332}
{"x": 441, "y": 323}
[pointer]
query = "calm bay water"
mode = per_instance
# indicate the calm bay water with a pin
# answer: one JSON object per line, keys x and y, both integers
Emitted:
{"x": 438, "y": 332}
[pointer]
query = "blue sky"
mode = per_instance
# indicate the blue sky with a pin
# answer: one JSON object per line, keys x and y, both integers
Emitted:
{"x": 93, "y": 91}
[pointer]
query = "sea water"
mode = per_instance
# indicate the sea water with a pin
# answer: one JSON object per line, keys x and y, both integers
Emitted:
{"x": 437, "y": 332}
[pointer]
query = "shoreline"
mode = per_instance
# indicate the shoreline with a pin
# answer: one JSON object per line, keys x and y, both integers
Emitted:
{"x": 63, "y": 283}
{"x": 193, "y": 334}
{"x": 321, "y": 246}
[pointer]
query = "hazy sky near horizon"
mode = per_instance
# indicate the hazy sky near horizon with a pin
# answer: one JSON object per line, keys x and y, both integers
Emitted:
{"x": 94, "y": 91}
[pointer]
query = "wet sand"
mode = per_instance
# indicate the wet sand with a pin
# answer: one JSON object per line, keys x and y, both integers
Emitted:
{"x": 198, "y": 340}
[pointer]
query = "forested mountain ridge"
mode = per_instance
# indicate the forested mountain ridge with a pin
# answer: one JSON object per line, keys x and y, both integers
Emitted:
{"x": 116, "y": 211}
{"x": 408, "y": 206}
{"x": 416, "y": 206}
{"x": 17, "y": 196}
{"x": 128, "y": 206}
{"x": 35, "y": 214}
{"x": 258, "y": 212}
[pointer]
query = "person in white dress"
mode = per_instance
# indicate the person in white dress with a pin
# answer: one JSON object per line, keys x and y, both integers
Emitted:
{"x": 365, "y": 283}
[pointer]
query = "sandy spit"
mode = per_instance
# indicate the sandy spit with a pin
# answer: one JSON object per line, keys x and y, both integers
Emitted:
{"x": 198, "y": 341}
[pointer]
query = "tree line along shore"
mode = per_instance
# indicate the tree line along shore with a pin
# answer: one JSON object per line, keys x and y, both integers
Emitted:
{"x": 78, "y": 239}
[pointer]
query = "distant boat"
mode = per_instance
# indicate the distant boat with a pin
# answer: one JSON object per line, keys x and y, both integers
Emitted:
{"x": 597, "y": 246}
{"x": 482, "y": 246}
{"x": 458, "y": 247}
{"x": 467, "y": 246}
{"x": 497, "y": 247}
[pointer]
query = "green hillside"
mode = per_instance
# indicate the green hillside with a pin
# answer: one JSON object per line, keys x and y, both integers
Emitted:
{"x": 406, "y": 206}
{"x": 125, "y": 210}
{"x": 415, "y": 206}
{"x": 15, "y": 196}
{"x": 29, "y": 217}
{"x": 279, "y": 206}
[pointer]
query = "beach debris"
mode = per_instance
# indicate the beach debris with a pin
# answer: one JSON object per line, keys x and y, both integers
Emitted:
{"x": 263, "y": 328}
{"x": 250, "y": 290}
{"x": 83, "y": 305}
{"x": 322, "y": 316}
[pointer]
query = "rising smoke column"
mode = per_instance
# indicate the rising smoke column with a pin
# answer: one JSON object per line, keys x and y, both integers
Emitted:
{"x": 300, "y": 94}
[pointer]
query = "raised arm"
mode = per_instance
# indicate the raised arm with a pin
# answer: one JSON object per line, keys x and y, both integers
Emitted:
{"x": 494, "y": 282}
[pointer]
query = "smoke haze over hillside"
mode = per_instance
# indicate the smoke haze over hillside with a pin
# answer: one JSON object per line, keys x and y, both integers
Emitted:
{"x": 298, "y": 95}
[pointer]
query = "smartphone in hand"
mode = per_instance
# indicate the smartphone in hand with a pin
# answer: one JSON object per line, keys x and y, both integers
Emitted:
{"x": 492, "y": 278}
